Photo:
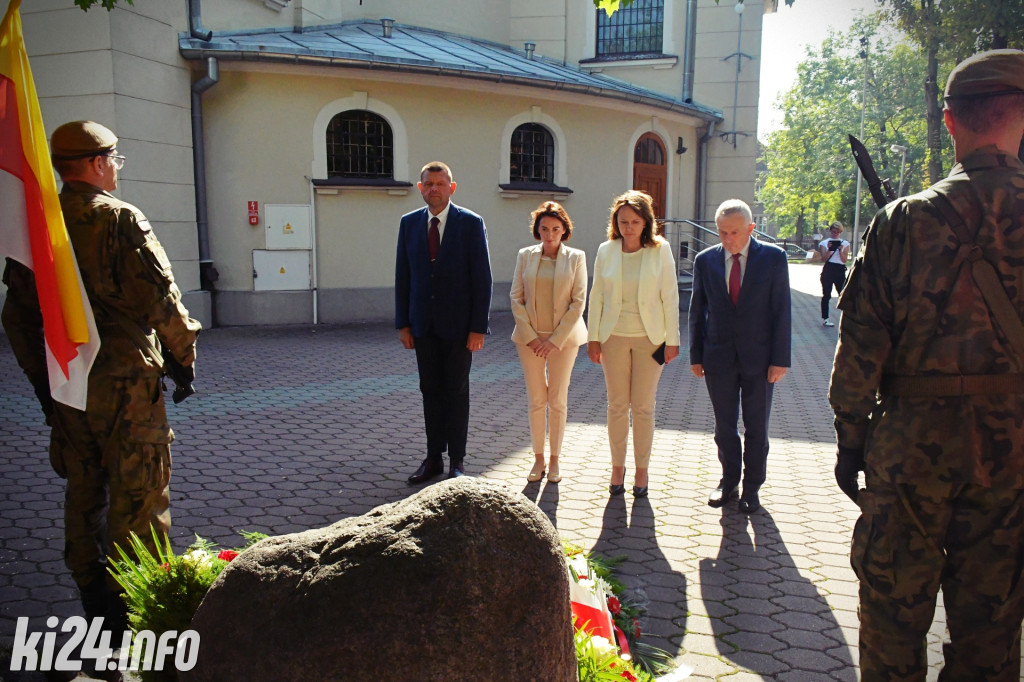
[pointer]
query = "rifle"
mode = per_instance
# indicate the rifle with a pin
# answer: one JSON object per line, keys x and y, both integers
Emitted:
{"x": 881, "y": 190}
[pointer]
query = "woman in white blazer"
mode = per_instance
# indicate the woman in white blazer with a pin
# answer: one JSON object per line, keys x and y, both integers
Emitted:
{"x": 634, "y": 311}
{"x": 549, "y": 292}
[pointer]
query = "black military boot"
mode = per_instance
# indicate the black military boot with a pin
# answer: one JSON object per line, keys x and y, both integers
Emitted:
{"x": 99, "y": 601}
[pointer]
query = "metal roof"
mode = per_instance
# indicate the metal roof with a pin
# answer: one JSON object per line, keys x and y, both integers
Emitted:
{"x": 361, "y": 44}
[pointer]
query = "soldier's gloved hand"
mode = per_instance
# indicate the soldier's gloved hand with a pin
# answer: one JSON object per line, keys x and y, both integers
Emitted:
{"x": 849, "y": 463}
{"x": 183, "y": 378}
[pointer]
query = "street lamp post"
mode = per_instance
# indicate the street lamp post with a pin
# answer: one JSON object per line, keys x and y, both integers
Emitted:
{"x": 902, "y": 151}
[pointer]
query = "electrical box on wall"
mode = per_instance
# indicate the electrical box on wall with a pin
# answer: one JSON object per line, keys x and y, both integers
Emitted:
{"x": 281, "y": 270}
{"x": 288, "y": 226}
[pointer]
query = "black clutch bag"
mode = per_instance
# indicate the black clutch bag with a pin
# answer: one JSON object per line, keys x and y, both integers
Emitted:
{"x": 659, "y": 354}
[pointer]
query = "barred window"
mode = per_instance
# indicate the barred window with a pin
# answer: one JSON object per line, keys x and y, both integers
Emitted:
{"x": 533, "y": 154}
{"x": 359, "y": 145}
{"x": 633, "y": 30}
{"x": 649, "y": 150}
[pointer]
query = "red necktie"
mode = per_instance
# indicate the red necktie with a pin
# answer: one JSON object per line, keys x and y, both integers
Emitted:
{"x": 434, "y": 238}
{"x": 734, "y": 279}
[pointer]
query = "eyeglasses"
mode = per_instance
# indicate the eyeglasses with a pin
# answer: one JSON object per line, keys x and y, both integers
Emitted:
{"x": 116, "y": 159}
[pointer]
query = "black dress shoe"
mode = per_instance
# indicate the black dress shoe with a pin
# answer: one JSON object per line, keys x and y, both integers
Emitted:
{"x": 749, "y": 503}
{"x": 456, "y": 470}
{"x": 639, "y": 491}
{"x": 430, "y": 468}
{"x": 721, "y": 495}
{"x": 616, "y": 490}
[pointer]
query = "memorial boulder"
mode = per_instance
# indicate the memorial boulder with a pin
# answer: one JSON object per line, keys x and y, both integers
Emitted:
{"x": 463, "y": 581}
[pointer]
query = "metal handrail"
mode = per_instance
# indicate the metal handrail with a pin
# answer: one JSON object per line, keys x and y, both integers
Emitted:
{"x": 690, "y": 237}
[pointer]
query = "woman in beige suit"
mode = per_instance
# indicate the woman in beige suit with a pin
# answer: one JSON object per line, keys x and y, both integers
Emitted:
{"x": 634, "y": 310}
{"x": 549, "y": 292}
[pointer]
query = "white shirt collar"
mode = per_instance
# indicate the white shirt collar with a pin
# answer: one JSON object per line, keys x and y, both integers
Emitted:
{"x": 743, "y": 252}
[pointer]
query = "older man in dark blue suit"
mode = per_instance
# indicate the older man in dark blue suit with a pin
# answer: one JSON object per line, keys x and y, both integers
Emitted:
{"x": 442, "y": 306}
{"x": 739, "y": 323}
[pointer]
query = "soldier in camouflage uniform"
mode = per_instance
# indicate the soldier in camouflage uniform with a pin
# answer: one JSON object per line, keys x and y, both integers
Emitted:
{"x": 928, "y": 392}
{"x": 116, "y": 455}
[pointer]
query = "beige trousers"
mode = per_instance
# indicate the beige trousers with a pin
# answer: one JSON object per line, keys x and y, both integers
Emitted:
{"x": 631, "y": 376}
{"x": 547, "y": 390}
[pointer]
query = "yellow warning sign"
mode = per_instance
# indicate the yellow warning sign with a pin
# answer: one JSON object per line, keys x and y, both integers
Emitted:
{"x": 288, "y": 228}
{"x": 282, "y": 270}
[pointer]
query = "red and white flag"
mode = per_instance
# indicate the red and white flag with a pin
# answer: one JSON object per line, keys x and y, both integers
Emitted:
{"x": 32, "y": 227}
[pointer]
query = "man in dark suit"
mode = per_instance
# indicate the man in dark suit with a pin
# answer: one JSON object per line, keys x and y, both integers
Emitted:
{"x": 740, "y": 343}
{"x": 442, "y": 304}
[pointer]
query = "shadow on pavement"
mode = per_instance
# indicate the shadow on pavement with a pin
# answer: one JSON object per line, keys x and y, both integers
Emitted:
{"x": 765, "y": 615}
{"x": 647, "y": 573}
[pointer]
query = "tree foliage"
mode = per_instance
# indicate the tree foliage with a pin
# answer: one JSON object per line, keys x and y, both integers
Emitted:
{"x": 105, "y": 4}
{"x": 950, "y": 32}
{"x": 810, "y": 172}
{"x": 960, "y": 28}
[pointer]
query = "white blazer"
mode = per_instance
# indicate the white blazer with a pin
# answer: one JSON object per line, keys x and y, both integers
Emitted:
{"x": 658, "y": 296}
{"x": 570, "y": 296}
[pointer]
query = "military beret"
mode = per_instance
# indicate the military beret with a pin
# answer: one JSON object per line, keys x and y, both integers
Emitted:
{"x": 996, "y": 72}
{"x": 80, "y": 140}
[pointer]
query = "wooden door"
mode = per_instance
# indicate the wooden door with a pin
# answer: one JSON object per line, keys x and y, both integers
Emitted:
{"x": 650, "y": 173}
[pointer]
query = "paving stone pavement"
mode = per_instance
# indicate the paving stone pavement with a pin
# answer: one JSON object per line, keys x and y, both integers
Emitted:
{"x": 299, "y": 426}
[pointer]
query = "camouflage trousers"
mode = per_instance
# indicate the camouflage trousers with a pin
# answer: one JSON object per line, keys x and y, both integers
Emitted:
{"x": 909, "y": 542}
{"x": 116, "y": 458}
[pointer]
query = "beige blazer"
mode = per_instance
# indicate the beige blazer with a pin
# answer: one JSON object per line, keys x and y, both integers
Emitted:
{"x": 570, "y": 296}
{"x": 658, "y": 296}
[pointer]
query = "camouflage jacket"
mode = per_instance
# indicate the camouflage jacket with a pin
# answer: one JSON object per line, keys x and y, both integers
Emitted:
{"x": 23, "y": 322}
{"x": 128, "y": 279}
{"x": 907, "y": 311}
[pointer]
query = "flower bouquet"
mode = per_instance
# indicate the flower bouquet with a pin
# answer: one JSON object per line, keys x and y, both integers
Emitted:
{"x": 163, "y": 591}
{"x": 607, "y": 623}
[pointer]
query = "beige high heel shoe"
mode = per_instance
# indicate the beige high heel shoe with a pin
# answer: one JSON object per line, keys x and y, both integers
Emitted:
{"x": 554, "y": 475}
{"x": 534, "y": 474}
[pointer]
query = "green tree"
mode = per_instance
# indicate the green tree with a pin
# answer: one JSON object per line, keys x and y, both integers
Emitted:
{"x": 811, "y": 174}
{"x": 106, "y": 4}
{"x": 949, "y": 32}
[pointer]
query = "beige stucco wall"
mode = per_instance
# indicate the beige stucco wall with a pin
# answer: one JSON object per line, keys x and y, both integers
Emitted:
{"x": 731, "y": 169}
{"x": 487, "y": 19}
{"x": 262, "y": 135}
{"x": 543, "y": 23}
{"x": 123, "y": 69}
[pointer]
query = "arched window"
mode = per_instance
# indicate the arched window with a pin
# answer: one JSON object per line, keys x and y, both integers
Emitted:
{"x": 633, "y": 30}
{"x": 359, "y": 145}
{"x": 532, "y": 157}
{"x": 649, "y": 150}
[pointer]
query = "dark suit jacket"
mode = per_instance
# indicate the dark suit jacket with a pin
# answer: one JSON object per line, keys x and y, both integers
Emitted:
{"x": 755, "y": 333}
{"x": 452, "y": 297}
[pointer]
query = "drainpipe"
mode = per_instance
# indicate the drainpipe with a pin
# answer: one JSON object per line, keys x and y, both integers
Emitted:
{"x": 689, "y": 54}
{"x": 207, "y": 273}
{"x": 195, "y": 21}
{"x": 702, "y": 173}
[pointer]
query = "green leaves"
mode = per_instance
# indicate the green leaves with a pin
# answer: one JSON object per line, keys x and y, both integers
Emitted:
{"x": 106, "y": 4}
{"x": 162, "y": 590}
{"x": 611, "y": 6}
{"x": 811, "y": 177}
